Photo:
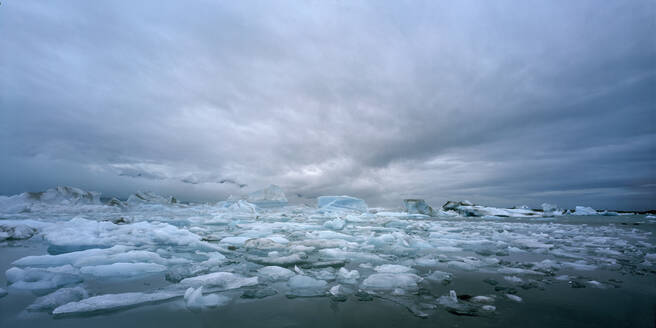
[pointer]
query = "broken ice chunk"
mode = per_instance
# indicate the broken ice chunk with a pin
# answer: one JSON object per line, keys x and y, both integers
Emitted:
{"x": 418, "y": 206}
{"x": 335, "y": 224}
{"x": 440, "y": 276}
{"x": 275, "y": 273}
{"x": 57, "y": 298}
{"x": 392, "y": 268}
{"x": 223, "y": 280}
{"x": 39, "y": 279}
{"x": 390, "y": 281}
{"x": 514, "y": 298}
{"x": 348, "y": 277}
{"x": 195, "y": 301}
{"x": 305, "y": 286}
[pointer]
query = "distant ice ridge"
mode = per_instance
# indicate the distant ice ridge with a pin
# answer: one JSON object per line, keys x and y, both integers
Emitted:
{"x": 61, "y": 195}
{"x": 148, "y": 197}
{"x": 419, "y": 206}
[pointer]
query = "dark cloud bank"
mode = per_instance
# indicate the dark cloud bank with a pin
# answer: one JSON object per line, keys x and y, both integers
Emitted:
{"x": 499, "y": 102}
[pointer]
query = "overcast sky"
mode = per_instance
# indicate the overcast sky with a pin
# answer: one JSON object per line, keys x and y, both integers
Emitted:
{"x": 499, "y": 102}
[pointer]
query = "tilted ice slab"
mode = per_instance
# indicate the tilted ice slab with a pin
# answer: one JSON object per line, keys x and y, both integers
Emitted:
{"x": 109, "y": 302}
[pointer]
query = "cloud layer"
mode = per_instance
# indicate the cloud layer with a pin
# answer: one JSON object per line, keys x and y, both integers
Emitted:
{"x": 502, "y": 103}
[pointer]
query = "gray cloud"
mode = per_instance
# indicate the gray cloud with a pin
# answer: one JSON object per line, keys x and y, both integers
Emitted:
{"x": 499, "y": 102}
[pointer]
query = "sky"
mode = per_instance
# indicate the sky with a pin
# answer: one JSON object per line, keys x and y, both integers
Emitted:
{"x": 501, "y": 103}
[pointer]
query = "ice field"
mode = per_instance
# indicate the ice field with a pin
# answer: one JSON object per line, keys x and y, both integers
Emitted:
{"x": 71, "y": 259}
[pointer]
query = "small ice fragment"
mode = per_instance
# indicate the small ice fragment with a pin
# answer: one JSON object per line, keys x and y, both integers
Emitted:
{"x": 453, "y": 296}
{"x": 482, "y": 299}
{"x": 513, "y": 279}
{"x": 298, "y": 270}
{"x": 488, "y": 308}
{"x": 514, "y": 297}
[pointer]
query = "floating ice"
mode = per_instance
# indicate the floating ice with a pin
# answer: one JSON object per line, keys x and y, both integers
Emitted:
{"x": 514, "y": 298}
{"x": 392, "y": 268}
{"x": 301, "y": 281}
{"x": 16, "y": 232}
{"x": 108, "y": 302}
{"x": 390, "y": 281}
{"x": 583, "y": 210}
{"x": 335, "y": 224}
{"x": 223, "y": 280}
{"x": 337, "y": 203}
{"x": 440, "y": 276}
{"x": 57, "y": 298}
{"x": 122, "y": 269}
{"x": 39, "y": 279}
{"x": 275, "y": 273}
{"x": 3, "y": 292}
{"x": 195, "y": 301}
{"x": 348, "y": 277}
{"x": 418, "y": 206}
{"x": 268, "y": 197}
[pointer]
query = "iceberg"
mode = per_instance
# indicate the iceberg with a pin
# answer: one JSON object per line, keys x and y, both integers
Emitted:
{"x": 269, "y": 197}
{"x": 341, "y": 203}
{"x": 584, "y": 210}
{"x": 418, "y": 206}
